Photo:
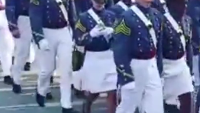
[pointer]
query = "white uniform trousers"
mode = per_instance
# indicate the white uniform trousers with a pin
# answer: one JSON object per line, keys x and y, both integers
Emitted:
{"x": 6, "y": 45}
{"x": 196, "y": 70}
{"x": 146, "y": 92}
{"x": 98, "y": 73}
{"x": 177, "y": 78}
{"x": 60, "y": 42}
{"x": 22, "y": 48}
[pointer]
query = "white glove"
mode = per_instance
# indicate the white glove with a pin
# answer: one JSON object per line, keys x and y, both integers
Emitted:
{"x": 44, "y": 45}
{"x": 107, "y": 33}
{"x": 96, "y": 31}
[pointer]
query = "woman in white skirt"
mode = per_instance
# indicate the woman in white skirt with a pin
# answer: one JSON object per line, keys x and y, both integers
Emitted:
{"x": 98, "y": 74}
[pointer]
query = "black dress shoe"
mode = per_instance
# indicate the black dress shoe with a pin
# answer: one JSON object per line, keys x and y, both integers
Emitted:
{"x": 27, "y": 66}
{"x": 171, "y": 108}
{"x": 49, "y": 96}
{"x": 8, "y": 80}
{"x": 69, "y": 110}
{"x": 16, "y": 88}
{"x": 40, "y": 100}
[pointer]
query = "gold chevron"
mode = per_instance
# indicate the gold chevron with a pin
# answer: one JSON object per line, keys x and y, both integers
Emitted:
{"x": 122, "y": 28}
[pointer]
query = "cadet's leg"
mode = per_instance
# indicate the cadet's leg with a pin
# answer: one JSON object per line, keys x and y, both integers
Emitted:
{"x": 47, "y": 66}
{"x": 185, "y": 102}
{"x": 127, "y": 99}
{"x": 21, "y": 54}
{"x": 112, "y": 101}
{"x": 196, "y": 70}
{"x": 185, "y": 97}
{"x": 22, "y": 51}
{"x": 64, "y": 53}
{"x": 31, "y": 58}
{"x": 88, "y": 101}
{"x": 6, "y": 50}
{"x": 153, "y": 94}
{"x": 197, "y": 102}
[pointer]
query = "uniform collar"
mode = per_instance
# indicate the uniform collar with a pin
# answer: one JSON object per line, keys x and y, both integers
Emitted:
{"x": 143, "y": 9}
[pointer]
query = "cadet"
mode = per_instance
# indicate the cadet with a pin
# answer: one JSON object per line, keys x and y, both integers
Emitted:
{"x": 93, "y": 33}
{"x": 176, "y": 74}
{"x": 6, "y": 45}
{"x": 19, "y": 24}
{"x": 121, "y": 6}
{"x": 50, "y": 22}
{"x": 194, "y": 12}
{"x": 136, "y": 41}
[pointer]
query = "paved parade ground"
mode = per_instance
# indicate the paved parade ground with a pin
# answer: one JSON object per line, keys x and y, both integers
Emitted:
{"x": 25, "y": 102}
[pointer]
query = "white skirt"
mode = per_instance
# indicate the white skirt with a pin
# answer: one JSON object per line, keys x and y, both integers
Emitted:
{"x": 98, "y": 73}
{"x": 177, "y": 78}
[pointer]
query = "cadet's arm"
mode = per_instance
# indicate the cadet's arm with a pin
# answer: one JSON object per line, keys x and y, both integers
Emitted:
{"x": 72, "y": 14}
{"x": 11, "y": 14}
{"x": 36, "y": 15}
{"x": 81, "y": 34}
{"x": 159, "y": 47}
{"x": 121, "y": 49}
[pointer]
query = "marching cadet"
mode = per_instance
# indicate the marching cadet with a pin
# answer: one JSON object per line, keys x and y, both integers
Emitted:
{"x": 19, "y": 24}
{"x": 176, "y": 35}
{"x": 93, "y": 33}
{"x": 121, "y": 6}
{"x": 6, "y": 45}
{"x": 194, "y": 13}
{"x": 50, "y": 22}
{"x": 137, "y": 39}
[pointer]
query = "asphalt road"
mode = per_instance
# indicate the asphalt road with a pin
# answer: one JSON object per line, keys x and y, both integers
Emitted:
{"x": 25, "y": 102}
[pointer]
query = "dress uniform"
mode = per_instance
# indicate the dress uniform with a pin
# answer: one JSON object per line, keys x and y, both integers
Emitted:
{"x": 17, "y": 14}
{"x": 93, "y": 32}
{"x": 194, "y": 13}
{"x": 6, "y": 45}
{"x": 50, "y": 22}
{"x": 176, "y": 73}
{"x": 136, "y": 41}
